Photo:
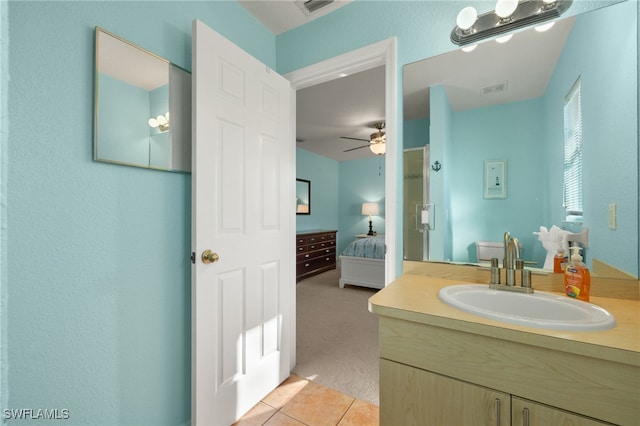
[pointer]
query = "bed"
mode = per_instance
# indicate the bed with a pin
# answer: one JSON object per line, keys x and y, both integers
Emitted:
{"x": 362, "y": 263}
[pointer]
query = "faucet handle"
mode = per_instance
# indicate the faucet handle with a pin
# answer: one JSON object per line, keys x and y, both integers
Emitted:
{"x": 519, "y": 264}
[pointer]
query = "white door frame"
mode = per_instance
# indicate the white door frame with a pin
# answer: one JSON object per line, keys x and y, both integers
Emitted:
{"x": 365, "y": 58}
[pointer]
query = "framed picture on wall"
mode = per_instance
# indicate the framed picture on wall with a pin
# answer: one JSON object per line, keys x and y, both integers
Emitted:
{"x": 495, "y": 179}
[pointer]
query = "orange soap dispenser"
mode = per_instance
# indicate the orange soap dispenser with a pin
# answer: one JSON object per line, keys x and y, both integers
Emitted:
{"x": 577, "y": 278}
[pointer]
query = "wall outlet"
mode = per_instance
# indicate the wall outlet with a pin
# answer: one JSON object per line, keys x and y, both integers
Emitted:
{"x": 613, "y": 216}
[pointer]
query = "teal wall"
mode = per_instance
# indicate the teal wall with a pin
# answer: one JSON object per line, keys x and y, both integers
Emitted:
{"x": 338, "y": 190}
{"x": 440, "y": 245}
{"x": 361, "y": 181}
{"x": 610, "y": 119}
{"x": 416, "y": 133}
{"x": 97, "y": 262}
{"x": 421, "y": 28}
{"x": 324, "y": 174}
{"x": 474, "y": 140}
{"x": 91, "y": 321}
{"x": 130, "y": 143}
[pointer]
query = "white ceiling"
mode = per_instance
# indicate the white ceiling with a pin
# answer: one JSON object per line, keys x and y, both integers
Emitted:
{"x": 144, "y": 69}
{"x": 523, "y": 65}
{"x": 349, "y": 106}
{"x": 283, "y": 15}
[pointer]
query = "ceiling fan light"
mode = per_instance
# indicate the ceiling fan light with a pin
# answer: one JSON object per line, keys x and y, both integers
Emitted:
{"x": 378, "y": 148}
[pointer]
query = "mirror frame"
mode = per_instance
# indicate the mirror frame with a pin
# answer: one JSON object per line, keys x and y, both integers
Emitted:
{"x": 178, "y": 137}
{"x": 308, "y": 196}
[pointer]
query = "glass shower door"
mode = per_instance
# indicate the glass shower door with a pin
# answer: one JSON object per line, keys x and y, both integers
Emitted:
{"x": 416, "y": 197}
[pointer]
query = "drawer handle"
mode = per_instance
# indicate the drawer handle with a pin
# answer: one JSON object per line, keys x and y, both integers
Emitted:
{"x": 525, "y": 417}
{"x": 497, "y": 405}
{"x": 306, "y": 265}
{"x": 306, "y": 255}
{"x": 327, "y": 251}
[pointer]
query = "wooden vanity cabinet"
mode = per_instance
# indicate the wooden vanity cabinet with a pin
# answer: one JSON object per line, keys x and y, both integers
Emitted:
{"x": 530, "y": 413}
{"x": 432, "y": 375}
{"x": 412, "y": 396}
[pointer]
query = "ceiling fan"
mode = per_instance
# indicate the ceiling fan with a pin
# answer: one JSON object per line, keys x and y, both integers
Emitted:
{"x": 376, "y": 140}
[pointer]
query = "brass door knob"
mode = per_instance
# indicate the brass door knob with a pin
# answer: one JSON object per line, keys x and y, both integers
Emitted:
{"x": 209, "y": 257}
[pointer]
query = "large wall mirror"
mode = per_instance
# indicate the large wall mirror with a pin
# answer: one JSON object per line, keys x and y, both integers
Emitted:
{"x": 505, "y": 102}
{"x": 142, "y": 107}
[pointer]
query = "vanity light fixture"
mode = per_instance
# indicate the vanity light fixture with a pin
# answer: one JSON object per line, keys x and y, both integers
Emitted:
{"x": 508, "y": 16}
{"x": 161, "y": 122}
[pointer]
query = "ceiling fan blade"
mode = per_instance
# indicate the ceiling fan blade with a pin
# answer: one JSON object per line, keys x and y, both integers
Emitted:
{"x": 353, "y": 149}
{"x": 355, "y": 139}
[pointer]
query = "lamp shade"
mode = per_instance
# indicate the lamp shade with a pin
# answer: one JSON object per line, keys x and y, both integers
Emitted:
{"x": 370, "y": 209}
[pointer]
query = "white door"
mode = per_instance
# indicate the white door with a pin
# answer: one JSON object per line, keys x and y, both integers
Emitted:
{"x": 243, "y": 204}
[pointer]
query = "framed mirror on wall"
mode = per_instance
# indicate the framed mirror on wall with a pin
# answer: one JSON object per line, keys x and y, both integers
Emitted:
{"x": 142, "y": 107}
{"x": 303, "y": 196}
{"x": 506, "y": 101}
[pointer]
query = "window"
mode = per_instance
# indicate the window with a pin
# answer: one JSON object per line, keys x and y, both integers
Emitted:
{"x": 572, "y": 183}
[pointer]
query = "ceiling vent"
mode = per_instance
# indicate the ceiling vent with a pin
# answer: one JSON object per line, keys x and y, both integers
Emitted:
{"x": 496, "y": 88}
{"x": 310, "y": 6}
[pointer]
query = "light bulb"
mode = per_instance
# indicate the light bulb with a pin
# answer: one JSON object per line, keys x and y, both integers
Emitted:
{"x": 469, "y": 48}
{"x": 167, "y": 115}
{"x": 504, "y": 39}
{"x": 161, "y": 120}
{"x": 466, "y": 18}
{"x": 377, "y": 148}
{"x": 505, "y": 8}
{"x": 544, "y": 27}
{"x": 153, "y": 122}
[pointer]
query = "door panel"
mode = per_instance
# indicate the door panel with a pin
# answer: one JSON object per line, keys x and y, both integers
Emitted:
{"x": 243, "y": 209}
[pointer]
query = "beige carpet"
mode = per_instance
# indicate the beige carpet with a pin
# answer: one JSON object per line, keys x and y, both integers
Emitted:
{"x": 337, "y": 337}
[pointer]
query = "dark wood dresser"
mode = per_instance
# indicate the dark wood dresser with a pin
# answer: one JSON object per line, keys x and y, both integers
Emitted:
{"x": 315, "y": 252}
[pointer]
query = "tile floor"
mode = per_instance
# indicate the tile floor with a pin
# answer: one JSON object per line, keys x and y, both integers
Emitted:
{"x": 298, "y": 401}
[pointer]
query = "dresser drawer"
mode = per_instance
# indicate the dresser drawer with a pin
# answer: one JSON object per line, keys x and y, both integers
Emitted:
{"x": 324, "y": 262}
{"x": 310, "y": 255}
{"x": 315, "y": 253}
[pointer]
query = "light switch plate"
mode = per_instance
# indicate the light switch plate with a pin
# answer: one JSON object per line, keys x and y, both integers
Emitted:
{"x": 613, "y": 216}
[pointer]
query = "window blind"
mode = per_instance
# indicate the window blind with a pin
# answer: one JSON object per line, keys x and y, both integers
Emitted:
{"x": 573, "y": 152}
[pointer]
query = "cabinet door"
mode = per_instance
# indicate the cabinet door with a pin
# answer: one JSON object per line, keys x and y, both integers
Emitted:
{"x": 529, "y": 413}
{"x": 410, "y": 396}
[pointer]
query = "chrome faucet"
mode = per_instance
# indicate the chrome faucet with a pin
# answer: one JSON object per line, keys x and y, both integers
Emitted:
{"x": 511, "y": 255}
{"x": 511, "y": 263}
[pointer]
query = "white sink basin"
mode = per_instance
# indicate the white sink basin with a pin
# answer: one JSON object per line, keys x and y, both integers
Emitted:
{"x": 540, "y": 309}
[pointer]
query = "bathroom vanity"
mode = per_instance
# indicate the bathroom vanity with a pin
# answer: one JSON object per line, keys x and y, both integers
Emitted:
{"x": 442, "y": 366}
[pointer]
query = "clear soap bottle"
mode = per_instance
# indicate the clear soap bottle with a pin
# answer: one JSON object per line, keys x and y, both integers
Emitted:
{"x": 577, "y": 278}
